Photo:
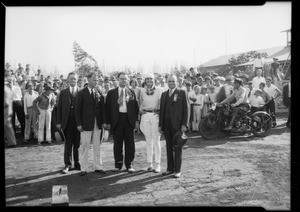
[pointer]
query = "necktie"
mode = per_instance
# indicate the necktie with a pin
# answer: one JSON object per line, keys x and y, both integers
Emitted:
{"x": 73, "y": 92}
{"x": 249, "y": 93}
{"x": 120, "y": 100}
{"x": 170, "y": 92}
{"x": 92, "y": 94}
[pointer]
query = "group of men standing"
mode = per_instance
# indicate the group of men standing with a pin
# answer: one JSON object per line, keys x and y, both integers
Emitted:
{"x": 83, "y": 115}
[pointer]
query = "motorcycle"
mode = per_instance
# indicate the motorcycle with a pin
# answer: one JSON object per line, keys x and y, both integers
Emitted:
{"x": 218, "y": 118}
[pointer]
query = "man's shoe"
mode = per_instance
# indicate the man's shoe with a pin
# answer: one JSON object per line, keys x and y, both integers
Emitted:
{"x": 130, "y": 170}
{"x": 228, "y": 128}
{"x": 100, "y": 171}
{"x": 82, "y": 173}
{"x": 167, "y": 173}
{"x": 157, "y": 169}
{"x": 77, "y": 167}
{"x": 65, "y": 170}
{"x": 177, "y": 175}
{"x": 12, "y": 146}
{"x": 116, "y": 169}
{"x": 274, "y": 125}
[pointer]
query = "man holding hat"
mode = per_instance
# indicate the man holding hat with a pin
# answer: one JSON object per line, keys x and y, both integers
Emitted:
{"x": 149, "y": 110}
{"x": 66, "y": 122}
{"x": 173, "y": 117}
{"x": 241, "y": 106}
{"x": 44, "y": 105}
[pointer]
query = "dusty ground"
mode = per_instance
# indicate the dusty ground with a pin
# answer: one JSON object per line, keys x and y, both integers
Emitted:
{"x": 240, "y": 171}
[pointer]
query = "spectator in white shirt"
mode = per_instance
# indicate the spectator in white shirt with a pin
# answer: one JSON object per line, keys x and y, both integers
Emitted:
{"x": 258, "y": 63}
{"x": 190, "y": 92}
{"x": 30, "y": 114}
{"x": 197, "y": 108}
{"x": 256, "y": 101}
{"x": 273, "y": 92}
{"x": 258, "y": 79}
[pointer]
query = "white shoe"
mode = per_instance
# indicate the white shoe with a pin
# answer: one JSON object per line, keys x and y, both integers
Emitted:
{"x": 158, "y": 169}
{"x": 177, "y": 175}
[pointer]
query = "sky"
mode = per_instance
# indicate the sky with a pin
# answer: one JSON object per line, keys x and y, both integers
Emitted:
{"x": 153, "y": 38}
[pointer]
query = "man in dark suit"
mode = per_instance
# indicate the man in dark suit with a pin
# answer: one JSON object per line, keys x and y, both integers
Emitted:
{"x": 122, "y": 118}
{"x": 90, "y": 119}
{"x": 66, "y": 121}
{"x": 173, "y": 116}
{"x": 286, "y": 94}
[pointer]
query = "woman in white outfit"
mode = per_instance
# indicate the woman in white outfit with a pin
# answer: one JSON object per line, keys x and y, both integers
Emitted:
{"x": 149, "y": 109}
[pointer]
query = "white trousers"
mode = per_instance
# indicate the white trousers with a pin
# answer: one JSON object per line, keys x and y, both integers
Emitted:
{"x": 86, "y": 138}
{"x": 44, "y": 118}
{"x": 149, "y": 127}
{"x": 31, "y": 122}
{"x": 196, "y": 117}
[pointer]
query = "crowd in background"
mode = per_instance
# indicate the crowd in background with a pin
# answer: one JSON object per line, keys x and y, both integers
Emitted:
{"x": 29, "y": 91}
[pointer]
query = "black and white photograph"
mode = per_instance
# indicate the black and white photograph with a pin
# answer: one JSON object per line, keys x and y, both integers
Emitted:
{"x": 148, "y": 106}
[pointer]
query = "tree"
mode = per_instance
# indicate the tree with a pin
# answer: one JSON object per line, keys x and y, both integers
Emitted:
{"x": 84, "y": 63}
{"x": 243, "y": 58}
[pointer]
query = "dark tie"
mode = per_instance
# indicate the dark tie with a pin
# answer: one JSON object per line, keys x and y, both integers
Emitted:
{"x": 249, "y": 93}
{"x": 120, "y": 100}
{"x": 170, "y": 92}
{"x": 92, "y": 94}
{"x": 73, "y": 93}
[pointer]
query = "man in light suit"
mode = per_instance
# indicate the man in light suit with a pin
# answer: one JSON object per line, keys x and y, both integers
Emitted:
{"x": 173, "y": 116}
{"x": 90, "y": 118}
{"x": 122, "y": 118}
{"x": 67, "y": 123}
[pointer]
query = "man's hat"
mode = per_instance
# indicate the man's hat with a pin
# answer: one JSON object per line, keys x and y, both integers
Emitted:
{"x": 7, "y": 64}
{"x": 33, "y": 78}
{"x": 48, "y": 88}
{"x": 59, "y": 136}
{"x": 275, "y": 58}
{"x": 149, "y": 75}
{"x": 238, "y": 80}
{"x": 179, "y": 139}
{"x": 104, "y": 135}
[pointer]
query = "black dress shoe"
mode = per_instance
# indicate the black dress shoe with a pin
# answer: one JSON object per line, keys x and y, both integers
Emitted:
{"x": 100, "y": 171}
{"x": 82, "y": 173}
{"x": 167, "y": 173}
{"x": 77, "y": 167}
{"x": 12, "y": 146}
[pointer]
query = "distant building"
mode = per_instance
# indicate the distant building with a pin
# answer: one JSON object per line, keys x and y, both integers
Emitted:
{"x": 219, "y": 64}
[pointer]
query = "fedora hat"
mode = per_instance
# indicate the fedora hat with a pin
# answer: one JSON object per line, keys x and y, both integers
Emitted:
{"x": 104, "y": 135}
{"x": 179, "y": 139}
{"x": 60, "y": 136}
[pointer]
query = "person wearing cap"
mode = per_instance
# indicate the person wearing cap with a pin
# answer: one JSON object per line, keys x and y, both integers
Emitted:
{"x": 122, "y": 113}
{"x": 273, "y": 92}
{"x": 20, "y": 70}
{"x": 8, "y": 69}
{"x": 173, "y": 117}
{"x": 90, "y": 118}
{"x": 30, "y": 113}
{"x": 197, "y": 105}
{"x": 18, "y": 109}
{"x": 44, "y": 105}
{"x": 149, "y": 109}
{"x": 8, "y": 110}
{"x": 258, "y": 79}
{"x": 275, "y": 71}
{"x": 258, "y": 63}
{"x": 241, "y": 106}
{"x": 66, "y": 121}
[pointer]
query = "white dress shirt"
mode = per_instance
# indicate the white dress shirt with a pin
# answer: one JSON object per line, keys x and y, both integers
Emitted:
{"x": 28, "y": 100}
{"x": 123, "y": 108}
{"x": 257, "y": 80}
{"x": 16, "y": 93}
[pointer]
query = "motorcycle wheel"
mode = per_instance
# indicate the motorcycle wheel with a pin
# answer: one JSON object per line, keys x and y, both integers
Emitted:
{"x": 262, "y": 127}
{"x": 209, "y": 127}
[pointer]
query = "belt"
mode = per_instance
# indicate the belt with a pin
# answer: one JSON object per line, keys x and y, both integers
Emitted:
{"x": 197, "y": 104}
{"x": 151, "y": 111}
{"x": 17, "y": 100}
{"x": 29, "y": 107}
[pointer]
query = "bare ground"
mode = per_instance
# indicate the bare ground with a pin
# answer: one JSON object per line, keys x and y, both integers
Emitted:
{"x": 235, "y": 171}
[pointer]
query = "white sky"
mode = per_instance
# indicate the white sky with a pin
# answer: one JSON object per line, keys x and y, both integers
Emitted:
{"x": 140, "y": 36}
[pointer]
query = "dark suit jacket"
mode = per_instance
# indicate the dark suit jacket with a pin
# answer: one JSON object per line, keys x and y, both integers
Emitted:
{"x": 112, "y": 108}
{"x": 179, "y": 109}
{"x": 63, "y": 107}
{"x": 86, "y": 110}
{"x": 285, "y": 95}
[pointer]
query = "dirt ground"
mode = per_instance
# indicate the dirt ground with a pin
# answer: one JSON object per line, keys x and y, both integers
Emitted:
{"x": 235, "y": 171}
